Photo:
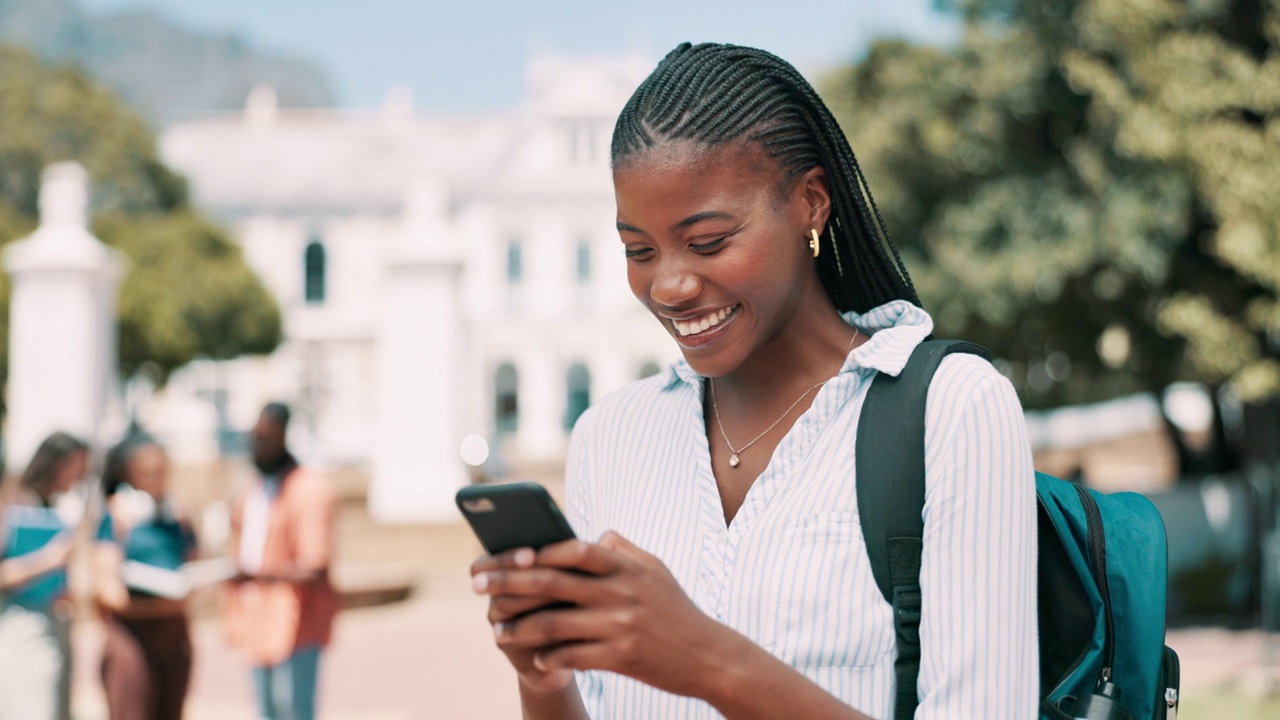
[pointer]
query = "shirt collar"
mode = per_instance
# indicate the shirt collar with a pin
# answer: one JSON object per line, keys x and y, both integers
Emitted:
{"x": 893, "y": 329}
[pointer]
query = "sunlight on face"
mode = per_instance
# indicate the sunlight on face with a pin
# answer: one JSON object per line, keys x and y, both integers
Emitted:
{"x": 71, "y": 471}
{"x": 149, "y": 471}
{"x": 716, "y": 246}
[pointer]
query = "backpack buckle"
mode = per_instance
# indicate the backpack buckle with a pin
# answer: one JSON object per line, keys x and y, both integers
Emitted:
{"x": 906, "y": 616}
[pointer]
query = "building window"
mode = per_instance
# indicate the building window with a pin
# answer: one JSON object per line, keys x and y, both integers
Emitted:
{"x": 584, "y": 262}
{"x": 515, "y": 263}
{"x": 583, "y": 140}
{"x": 579, "y": 394}
{"x": 506, "y": 409}
{"x": 648, "y": 369}
{"x": 313, "y": 280}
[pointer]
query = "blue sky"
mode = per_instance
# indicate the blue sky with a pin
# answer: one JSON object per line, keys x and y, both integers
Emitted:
{"x": 471, "y": 53}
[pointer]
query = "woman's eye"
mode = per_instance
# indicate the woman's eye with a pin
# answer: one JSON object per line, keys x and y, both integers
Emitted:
{"x": 707, "y": 247}
{"x": 638, "y": 253}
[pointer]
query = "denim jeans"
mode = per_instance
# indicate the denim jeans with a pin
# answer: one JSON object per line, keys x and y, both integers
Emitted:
{"x": 288, "y": 691}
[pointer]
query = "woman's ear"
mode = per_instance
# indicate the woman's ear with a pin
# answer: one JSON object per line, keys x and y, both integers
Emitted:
{"x": 812, "y": 188}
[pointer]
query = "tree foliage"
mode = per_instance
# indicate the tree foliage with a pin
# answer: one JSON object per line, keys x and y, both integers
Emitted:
{"x": 1089, "y": 187}
{"x": 187, "y": 292}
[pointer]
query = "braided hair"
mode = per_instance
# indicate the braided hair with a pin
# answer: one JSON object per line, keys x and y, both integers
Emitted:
{"x": 716, "y": 94}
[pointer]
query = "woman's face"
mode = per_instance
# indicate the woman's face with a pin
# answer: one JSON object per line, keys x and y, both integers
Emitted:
{"x": 149, "y": 471}
{"x": 717, "y": 247}
{"x": 70, "y": 472}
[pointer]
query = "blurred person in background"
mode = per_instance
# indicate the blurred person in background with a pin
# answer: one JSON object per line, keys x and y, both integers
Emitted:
{"x": 279, "y": 610}
{"x": 36, "y": 541}
{"x": 146, "y": 661}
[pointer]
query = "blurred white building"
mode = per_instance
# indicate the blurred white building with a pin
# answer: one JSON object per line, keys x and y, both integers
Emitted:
{"x": 491, "y": 235}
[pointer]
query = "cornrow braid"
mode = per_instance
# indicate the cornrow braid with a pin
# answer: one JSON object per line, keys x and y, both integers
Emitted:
{"x": 715, "y": 94}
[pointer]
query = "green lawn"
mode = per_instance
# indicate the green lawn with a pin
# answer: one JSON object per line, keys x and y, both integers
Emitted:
{"x": 1228, "y": 705}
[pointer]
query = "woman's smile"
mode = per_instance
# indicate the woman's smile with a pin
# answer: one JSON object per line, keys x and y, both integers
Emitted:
{"x": 698, "y": 324}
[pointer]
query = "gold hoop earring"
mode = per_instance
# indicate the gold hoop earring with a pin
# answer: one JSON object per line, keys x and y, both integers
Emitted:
{"x": 814, "y": 243}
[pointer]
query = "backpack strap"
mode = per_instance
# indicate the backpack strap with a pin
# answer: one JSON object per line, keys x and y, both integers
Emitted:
{"x": 889, "y": 458}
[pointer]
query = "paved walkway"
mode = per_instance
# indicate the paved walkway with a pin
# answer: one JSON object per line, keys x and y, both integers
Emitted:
{"x": 429, "y": 657}
{"x": 432, "y": 656}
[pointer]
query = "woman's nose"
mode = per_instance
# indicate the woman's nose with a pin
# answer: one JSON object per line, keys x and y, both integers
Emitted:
{"x": 675, "y": 285}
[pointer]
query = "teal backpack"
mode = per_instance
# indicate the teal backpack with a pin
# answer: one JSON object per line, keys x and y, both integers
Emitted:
{"x": 1102, "y": 566}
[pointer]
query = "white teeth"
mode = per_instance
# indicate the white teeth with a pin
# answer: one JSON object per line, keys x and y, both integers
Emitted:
{"x": 692, "y": 327}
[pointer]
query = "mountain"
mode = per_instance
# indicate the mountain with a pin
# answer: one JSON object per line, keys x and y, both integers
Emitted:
{"x": 165, "y": 71}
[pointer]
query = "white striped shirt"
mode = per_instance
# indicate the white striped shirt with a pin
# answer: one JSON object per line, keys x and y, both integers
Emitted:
{"x": 791, "y": 570}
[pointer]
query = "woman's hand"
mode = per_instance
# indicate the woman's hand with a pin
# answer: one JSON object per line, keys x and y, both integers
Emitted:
{"x": 54, "y": 555}
{"x": 504, "y": 608}
{"x": 108, "y": 588}
{"x": 20, "y": 570}
{"x": 629, "y": 616}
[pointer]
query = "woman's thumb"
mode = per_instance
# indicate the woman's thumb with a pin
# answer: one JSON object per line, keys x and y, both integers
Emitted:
{"x": 614, "y": 541}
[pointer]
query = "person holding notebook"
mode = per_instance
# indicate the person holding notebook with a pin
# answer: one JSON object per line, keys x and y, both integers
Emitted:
{"x": 146, "y": 661}
{"x": 37, "y": 535}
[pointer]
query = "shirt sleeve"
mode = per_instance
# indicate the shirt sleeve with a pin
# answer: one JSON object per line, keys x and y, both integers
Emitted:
{"x": 314, "y": 524}
{"x": 978, "y": 632}
{"x": 576, "y": 479}
{"x": 577, "y": 476}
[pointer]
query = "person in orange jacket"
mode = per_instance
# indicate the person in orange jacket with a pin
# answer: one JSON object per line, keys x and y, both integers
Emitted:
{"x": 279, "y": 609}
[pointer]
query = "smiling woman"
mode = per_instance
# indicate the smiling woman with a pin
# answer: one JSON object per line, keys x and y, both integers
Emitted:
{"x": 721, "y": 570}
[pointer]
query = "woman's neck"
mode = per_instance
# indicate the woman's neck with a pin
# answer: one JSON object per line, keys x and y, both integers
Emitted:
{"x": 802, "y": 353}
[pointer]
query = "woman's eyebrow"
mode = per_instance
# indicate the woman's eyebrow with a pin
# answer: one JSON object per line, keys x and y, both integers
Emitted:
{"x": 699, "y": 217}
{"x": 691, "y": 220}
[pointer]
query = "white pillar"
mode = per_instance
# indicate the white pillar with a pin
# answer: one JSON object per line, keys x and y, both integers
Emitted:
{"x": 421, "y": 347}
{"x": 542, "y": 394}
{"x": 62, "y": 354}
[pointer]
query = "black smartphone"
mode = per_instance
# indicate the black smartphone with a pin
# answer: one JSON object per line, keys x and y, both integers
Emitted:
{"x": 513, "y": 515}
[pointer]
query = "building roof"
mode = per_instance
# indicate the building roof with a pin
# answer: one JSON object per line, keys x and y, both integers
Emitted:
{"x": 268, "y": 158}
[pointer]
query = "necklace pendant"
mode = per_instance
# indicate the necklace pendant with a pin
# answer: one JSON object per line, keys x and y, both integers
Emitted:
{"x": 733, "y": 460}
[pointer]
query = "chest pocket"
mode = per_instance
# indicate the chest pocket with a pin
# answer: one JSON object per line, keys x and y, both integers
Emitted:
{"x": 828, "y": 611}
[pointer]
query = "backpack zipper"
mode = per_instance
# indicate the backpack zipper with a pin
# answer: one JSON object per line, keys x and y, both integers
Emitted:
{"x": 1098, "y": 564}
{"x": 1172, "y": 683}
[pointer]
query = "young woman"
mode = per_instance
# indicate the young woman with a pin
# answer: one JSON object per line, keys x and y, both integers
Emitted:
{"x": 721, "y": 570}
{"x": 35, "y": 614}
{"x": 146, "y": 662}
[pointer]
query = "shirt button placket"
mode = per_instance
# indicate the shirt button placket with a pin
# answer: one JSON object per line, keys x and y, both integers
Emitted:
{"x": 710, "y": 584}
{"x": 727, "y": 545}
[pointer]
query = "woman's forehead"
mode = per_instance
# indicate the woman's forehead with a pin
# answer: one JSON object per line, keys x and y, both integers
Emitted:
{"x": 684, "y": 172}
{"x": 683, "y": 155}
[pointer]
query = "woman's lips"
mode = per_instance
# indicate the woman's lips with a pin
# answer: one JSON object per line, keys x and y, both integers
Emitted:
{"x": 704, "y": 328}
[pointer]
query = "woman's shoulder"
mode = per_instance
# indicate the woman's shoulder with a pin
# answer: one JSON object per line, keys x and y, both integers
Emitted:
{"x": 968, "y": 386}
{"x": 630, "y": 402}
{"x": 966, "y": 370}
{"x": 23, "y": 512}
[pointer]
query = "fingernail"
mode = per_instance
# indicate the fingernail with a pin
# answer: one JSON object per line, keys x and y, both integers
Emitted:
{"x": 524, "y": 557}
{"x": 480, "y": 582}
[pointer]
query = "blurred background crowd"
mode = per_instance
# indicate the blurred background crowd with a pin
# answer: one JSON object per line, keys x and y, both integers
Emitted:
{"x": 399, "y": 221}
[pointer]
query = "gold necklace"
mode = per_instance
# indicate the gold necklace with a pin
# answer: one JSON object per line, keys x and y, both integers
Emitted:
{"x": 715, "y": 410}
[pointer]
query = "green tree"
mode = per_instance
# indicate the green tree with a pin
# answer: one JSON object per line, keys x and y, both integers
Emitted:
{"x": 1088, "y": 187}
{"x": 187, "y": 292}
